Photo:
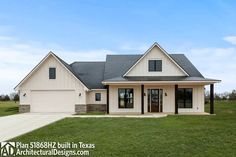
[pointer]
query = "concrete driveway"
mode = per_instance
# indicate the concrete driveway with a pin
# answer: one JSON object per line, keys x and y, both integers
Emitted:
{"x": 19, "y": 124}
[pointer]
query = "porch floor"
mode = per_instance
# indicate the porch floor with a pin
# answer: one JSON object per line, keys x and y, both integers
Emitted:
{"x": 148, "y": 115}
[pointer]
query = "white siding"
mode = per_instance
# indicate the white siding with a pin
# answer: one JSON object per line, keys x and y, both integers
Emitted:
{"x": 168, "y": 67}
{"x": 113, "y": 100}
{"x": 168, "y": 98}
{"x": 198, "y": 99}
{"x": 39, "y": 80}
{"x": 91, "y": 97}
{"x": 53, "y": 101}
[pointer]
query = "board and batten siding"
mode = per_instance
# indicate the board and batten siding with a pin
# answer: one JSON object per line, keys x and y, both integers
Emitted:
{"x": 168, "y": 67}
{"x": 39, "y": 80}
{"x": 113, "y": 97}
{"x": 168, "y": 98}
{"x": 198, "y": 99}
{"x": 91, "y": 97}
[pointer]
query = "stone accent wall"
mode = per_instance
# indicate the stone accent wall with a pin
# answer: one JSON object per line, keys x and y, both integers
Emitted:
{"x": 24, "y": 108}
{"x": 80, "y": 108}
{"x": 96, "y": 108}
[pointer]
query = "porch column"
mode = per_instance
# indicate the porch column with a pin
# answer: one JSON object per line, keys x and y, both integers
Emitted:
{"x": 107, "y": 99}
{"x": 176, "y": 99}
{"x": 142, "y": 99}
{"x": 212, "y": 99}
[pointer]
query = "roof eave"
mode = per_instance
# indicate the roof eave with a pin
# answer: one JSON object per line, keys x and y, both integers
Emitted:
{"x": 206, "y": 82}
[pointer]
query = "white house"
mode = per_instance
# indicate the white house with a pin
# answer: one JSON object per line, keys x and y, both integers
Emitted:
{"x": 124, "y": 84}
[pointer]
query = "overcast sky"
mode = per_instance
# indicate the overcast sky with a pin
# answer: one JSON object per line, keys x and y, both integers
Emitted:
{"x": 205, "y": 31}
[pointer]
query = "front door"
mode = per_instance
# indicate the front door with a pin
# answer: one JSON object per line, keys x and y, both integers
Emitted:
{"x": 155, "y": 100}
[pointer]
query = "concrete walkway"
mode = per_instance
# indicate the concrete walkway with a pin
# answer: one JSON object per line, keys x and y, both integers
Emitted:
{"x": 19, "y": 124}
{"x": 120, "y": 116}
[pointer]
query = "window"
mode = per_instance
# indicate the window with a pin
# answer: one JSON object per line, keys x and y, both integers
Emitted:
{"x": 97, "y": 96}
{"x": 185, "y": 97}
{"x": 155, "y": 65}
{"x": 52, "y": 73}
{"x": 125, "y": 98}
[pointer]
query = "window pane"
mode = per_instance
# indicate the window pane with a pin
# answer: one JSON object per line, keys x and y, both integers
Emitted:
{"x": 181, "y": 103}
{"x": 188, "y": 98}
{"x": 185, "y": 98}
{"x": 149, "y": 95}
{"x": 97, "y": 96}
{"x": 155, "y": 65}
{"x": 151, "y": 65}
{"x": 52, "y": 73}
{"x": 125, "y": 98}
{"x": 158, "y": 65}
{"x": 121, "y": 96}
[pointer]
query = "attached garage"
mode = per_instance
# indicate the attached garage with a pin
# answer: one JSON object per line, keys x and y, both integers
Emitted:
{"x": 53, "y": 101}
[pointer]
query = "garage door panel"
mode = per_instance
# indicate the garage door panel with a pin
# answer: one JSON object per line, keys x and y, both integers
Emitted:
{"x": 52, "y": 101}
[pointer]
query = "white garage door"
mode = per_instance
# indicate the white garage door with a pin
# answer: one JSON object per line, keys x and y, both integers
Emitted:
{"x": 52, "y": 101}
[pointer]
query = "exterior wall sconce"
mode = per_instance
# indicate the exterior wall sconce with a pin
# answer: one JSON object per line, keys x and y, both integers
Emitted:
{"x": 165, "y": 94}
{"x": 24, "y": 94}
{"x": 79, "y": 94}
{"x": 144, "y": 94}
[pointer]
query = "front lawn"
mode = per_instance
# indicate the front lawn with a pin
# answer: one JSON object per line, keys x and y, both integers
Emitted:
{"x": 8, "y": 108}
{"x": 182, "y": 136}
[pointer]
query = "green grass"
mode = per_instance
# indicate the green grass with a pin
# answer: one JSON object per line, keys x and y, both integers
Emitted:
{"x": 177, "y": 136}
{"x": 8, "y": 108}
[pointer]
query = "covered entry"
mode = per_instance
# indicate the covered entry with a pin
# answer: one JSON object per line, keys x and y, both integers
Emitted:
{"x": 155, "y": 100}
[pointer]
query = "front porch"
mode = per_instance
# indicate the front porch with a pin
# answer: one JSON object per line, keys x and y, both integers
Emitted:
{"x": 168, "y": 101}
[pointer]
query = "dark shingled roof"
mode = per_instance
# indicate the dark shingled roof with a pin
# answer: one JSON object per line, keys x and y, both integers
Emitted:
{"x": 91, "y": 73}
{"x": 184, "y": 63}
{"x": 117, "y": 65}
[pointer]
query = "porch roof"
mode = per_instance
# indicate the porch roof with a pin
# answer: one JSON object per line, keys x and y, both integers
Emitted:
{"x": 160, "y": 79}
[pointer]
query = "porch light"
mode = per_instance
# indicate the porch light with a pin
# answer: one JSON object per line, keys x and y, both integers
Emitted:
{"x": 79, "y": 94}
{"x": 165, "y": 94}
{"x": 24, "y": 94}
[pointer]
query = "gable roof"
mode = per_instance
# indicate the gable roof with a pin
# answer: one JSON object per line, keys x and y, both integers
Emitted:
{"x": 148, "y": 51}
{"x": 116, "y": 65}
{"x": 63, "y": 63}
{"x": 185, "y": 63}
{"x": 91, "y": 73}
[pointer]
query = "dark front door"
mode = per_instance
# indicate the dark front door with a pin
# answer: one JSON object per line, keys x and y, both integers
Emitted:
{"x": 155, "y": 100}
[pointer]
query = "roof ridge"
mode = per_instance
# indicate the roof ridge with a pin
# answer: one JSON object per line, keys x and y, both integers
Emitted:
{"x": 176, "y": 53}
{"x": 88, "y": 62}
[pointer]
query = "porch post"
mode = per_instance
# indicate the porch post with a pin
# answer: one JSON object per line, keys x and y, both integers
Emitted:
{"x": 212, "y": 99}
{"x": 176, "y": 99}
{"x": 107, "y": 99}
{"x": 142, "y": 99}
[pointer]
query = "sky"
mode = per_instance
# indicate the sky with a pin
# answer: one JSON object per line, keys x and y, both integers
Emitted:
{"x": 87, "y": 30}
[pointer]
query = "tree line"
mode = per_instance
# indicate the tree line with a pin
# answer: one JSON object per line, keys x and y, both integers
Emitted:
{"x": 221, "y": 96}
{"x": 12, "y": 96}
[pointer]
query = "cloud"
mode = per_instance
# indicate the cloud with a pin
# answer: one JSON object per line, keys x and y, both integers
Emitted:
{"x": 230, "y": 39}
{"x": 6, "y": 38}
{"x": 218, "y": 63}
{"x": 18, "y": 58}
